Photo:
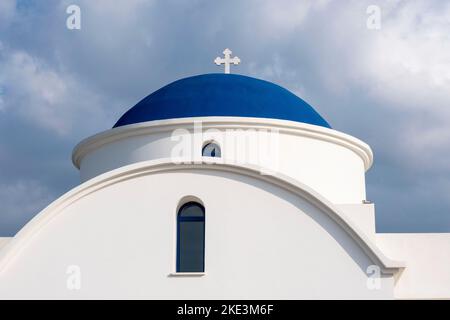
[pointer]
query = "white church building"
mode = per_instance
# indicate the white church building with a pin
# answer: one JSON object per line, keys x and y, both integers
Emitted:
{"x": 220, "y": 186}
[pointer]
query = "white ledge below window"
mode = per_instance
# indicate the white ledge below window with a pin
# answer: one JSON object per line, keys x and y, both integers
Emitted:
{"x": 187, "y": 274}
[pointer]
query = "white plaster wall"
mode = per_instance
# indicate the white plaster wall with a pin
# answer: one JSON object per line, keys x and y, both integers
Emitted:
{"x": 363, "y": 216}
{"x": 427, "y": 275}
{"x": 332, "y": 169}
{"x": 4, "y": 241}
{"x": 261, "y": 242}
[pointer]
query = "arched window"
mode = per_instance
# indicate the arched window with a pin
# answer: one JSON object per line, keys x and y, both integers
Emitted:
{"x": 211, "y": 149}
{"x": 191, "y": 238}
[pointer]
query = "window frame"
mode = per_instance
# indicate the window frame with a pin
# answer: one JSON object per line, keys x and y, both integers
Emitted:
{"x": 207, "y": 143}
{"x": 190, "y": 219}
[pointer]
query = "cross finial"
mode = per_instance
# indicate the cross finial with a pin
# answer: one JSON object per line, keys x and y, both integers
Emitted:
{"x": 227, "y": 60}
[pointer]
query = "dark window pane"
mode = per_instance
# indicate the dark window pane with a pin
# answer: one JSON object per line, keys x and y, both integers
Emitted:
{"x": 211, "y": 150}
{"x": 191, "y": 246}
{"x": 191, "y": 210}
{"x": 191, "y": 238}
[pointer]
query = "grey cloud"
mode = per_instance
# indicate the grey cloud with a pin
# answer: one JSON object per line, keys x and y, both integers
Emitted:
{"x": 388, "y": 87}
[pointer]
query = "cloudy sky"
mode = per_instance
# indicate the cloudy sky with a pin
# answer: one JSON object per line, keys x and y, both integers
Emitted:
{"x": 389, "y": 86}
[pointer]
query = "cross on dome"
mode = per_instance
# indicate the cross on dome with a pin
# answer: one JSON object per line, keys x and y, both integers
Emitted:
{"x": 227, "y": 60}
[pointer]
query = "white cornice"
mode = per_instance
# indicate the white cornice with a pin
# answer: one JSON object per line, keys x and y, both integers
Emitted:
{"x": 26, "y": 234}
{"x": 284, "y": 126}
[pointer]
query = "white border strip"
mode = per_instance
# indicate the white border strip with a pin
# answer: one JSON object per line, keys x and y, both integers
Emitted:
{"x": 31, "y": 229}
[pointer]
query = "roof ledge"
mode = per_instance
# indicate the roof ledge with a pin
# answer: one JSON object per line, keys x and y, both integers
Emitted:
{"x": 387, "y": 265}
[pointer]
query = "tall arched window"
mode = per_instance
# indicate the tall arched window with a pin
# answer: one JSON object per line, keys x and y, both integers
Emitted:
{"x": 191, "y": 238}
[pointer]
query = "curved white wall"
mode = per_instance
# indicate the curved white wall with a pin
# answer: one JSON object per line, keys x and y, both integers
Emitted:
{"x": 330, "y": 162}
{"x": 262, "y": 242}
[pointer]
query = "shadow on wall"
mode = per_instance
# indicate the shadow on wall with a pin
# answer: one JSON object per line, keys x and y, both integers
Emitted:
{"x": 345, "y": 241}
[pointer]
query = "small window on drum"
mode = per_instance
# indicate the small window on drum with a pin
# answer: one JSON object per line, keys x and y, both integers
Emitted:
{"x": 211, "y": 149}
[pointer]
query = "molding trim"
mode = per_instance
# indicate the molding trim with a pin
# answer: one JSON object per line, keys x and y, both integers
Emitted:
{"x": 32, "y": 228}
{"x": 284, "y": 126}
{"x": 187, "y": 274}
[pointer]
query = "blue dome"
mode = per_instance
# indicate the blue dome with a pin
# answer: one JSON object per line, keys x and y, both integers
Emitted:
{"x": 222, "y": 95}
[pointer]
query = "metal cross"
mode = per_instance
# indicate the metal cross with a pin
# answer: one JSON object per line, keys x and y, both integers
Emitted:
{"x": 227, "y": 60}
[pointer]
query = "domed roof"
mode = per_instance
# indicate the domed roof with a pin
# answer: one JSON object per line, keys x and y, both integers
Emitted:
{"x": 222, "y": 95}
